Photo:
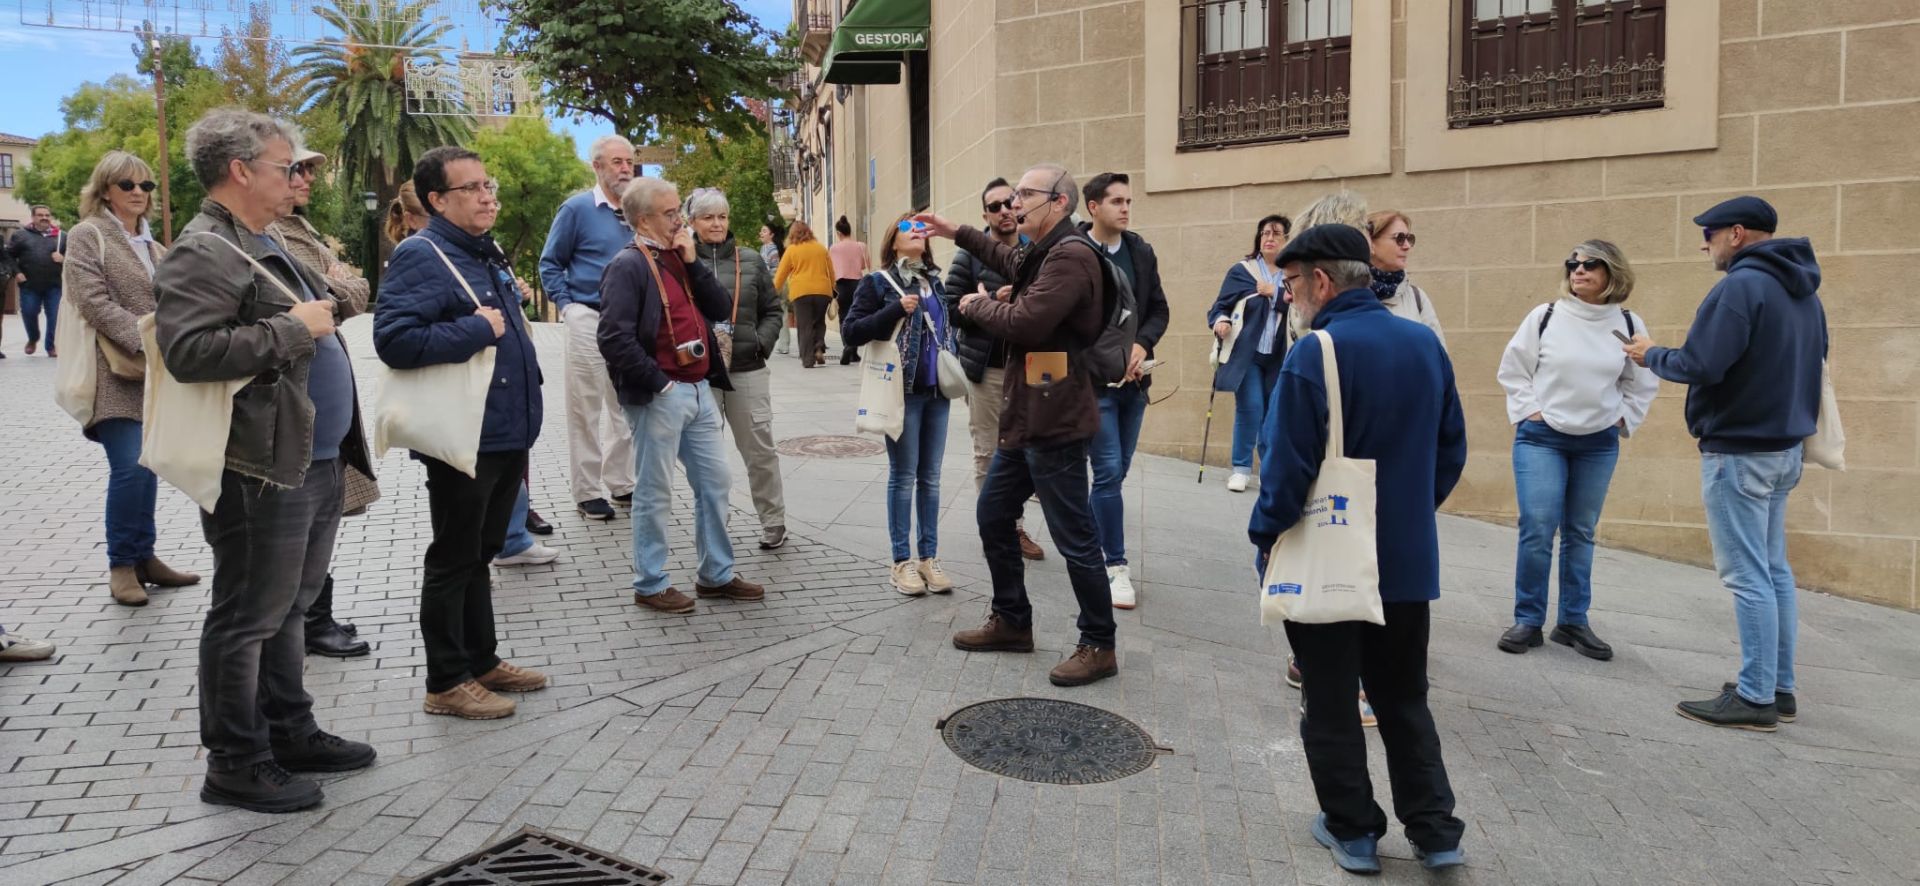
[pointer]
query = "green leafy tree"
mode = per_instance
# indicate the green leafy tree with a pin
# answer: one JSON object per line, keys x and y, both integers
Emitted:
{"x": 177, "y": 55}
{"x": 737, "y": 166}
{"x": 644, "y": 67}
{"x": 256, "y": 69}
{"x": 537, "y": 169}
{"x": 361, "y": 79}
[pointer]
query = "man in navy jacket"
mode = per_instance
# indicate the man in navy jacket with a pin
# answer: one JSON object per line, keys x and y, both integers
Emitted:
{"x": 1752, "y": 364}
{"x": 1403, "y": 412}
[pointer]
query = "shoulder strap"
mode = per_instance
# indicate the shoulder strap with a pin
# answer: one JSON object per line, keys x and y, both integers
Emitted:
{"x": 1336, "y": 416}
{"x": 1628, "y": 316}
{"x": 456, "y": 274}
{"x": 252, "y": 261}
{"x": 1545, "y": 319}
{"x": 735, "y": 316}
{"x": 653, "y": 267}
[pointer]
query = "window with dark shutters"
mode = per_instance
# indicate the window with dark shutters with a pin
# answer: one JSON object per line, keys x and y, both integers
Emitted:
{"x": 1529, "y": 59}
{"x": 1263, "y": 71}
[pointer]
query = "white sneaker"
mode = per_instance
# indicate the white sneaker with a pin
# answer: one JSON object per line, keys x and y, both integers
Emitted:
{"x": 1121, "y": 585}
{"x": 538, "y": 555}
{"x": 14, "y": 647}
{"x": 907, "y": 580}
{"x": 934, "y": 577}
{"x": 1237, "y": 482}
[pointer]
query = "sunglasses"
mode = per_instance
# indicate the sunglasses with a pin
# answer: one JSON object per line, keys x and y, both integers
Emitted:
{"x": 1592, "y": 264}
{"x": 127, "y": 184}
{"x": 997, "y": 205}
{"x": 1404, "y": 239}
{"x": 911, "y": 226}
{"x": 1706, "y": 234}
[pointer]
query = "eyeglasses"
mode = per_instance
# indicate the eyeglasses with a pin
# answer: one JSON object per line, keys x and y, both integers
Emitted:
{"x": 1592, "y": 264}
{"x": 994, "y": 207}
{"x": 127, "y": 184}
{"x": 291, "y": 169}
{"x": 489, "y": 185}
{"x": 1290, "y": 281}
{"x": 1026, "y": 194}
{"x": 1405, "y": 239}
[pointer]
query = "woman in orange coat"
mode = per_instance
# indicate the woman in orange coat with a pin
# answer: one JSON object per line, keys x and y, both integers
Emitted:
{"x": 807, "y": 273}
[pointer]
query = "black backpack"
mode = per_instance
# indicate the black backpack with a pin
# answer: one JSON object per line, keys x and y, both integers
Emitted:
{"x": 1548, "y": 318}
{"x": 1107, "y": 357}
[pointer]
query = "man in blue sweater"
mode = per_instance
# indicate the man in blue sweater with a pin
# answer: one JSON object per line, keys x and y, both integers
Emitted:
{"x": 587, "y": 233}
{"x": 1403, "y": 412}
{"x": 1752, "y": 364}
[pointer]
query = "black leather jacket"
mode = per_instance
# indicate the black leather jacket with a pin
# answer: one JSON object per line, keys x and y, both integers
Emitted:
{"x": 979, "y": 351}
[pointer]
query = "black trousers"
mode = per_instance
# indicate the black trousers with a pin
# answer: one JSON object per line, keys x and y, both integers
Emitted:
{"x": 1059, "y": 477}
{"x": 810, "y": 323}
{"x": 1390, "y": 662}
{"x": 270, "y": 547}
{"x": 456, "y": 592}
{"x": 843, "y": 296}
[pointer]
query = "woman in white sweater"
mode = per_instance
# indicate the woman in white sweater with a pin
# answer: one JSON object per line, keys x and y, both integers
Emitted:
{"x": 1571, "y": 394}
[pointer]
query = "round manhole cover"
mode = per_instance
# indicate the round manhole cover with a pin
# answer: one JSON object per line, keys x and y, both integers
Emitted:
{"x": 1048, "y": 741}
{"x": 830, "y": 446}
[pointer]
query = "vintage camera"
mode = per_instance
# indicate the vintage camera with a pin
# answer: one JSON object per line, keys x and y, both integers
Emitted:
{"x": 687, "y": 353}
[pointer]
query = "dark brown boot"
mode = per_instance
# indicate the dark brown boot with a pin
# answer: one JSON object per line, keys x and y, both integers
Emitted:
{"x": 1031, "y": 549}
{"x": 1088, "y": 664}
{"x": 156, "y": 573}
{"x": 738, "y": 589}
{"x": 995, "y": 636}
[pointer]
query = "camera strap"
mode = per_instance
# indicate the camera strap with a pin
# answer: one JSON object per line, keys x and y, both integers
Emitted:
{"x": 653, "y": 266}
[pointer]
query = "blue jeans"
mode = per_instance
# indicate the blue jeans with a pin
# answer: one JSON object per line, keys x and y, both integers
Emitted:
{"x": 1250, "y": 412}
{"x": 131, "y": 490}
{"x": 1122, "y": 410}
{"x": 913, "y": 463}
{"x": 1561, "y": 480}
{"x": 31, "y": 304}
{"x": 685, "y": 423}
{"x": 1746, "y": 500}
{"x": 519, "y": 540}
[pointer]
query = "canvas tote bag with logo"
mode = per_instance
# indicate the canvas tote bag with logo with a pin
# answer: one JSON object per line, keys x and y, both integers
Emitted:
{"x": 436, "y": 410}
{"x": 1828, "y": 445}
{"x": 1326, "y": 567}
{"x": 883, "y": 395}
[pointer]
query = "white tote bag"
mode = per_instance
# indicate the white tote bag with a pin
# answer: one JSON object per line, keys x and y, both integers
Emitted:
{"x": 1326, "y": 567}
{"x": 883, "y": 394}
{"x": 183, "y": 432}
{"x": 1828, "y": 445}
{"x": 77, "y": 377}
{"x": 436, "y": 410}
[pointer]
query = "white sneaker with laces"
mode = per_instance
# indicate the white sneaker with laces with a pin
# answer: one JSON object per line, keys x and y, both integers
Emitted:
{"x": 907, "y": 580}
{"x": 538, "y": 555}
{"x": 934, "y": 577}
{"x": 1120, "y": 583}
{"x": 1237, "y": 482}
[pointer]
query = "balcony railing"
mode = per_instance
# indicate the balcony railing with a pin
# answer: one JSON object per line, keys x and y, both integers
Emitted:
{"x": 1596, "y": 88}
{"x": 815, "y": 19}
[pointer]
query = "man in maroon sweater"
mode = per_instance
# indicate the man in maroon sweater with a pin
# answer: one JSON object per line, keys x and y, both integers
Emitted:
{"x": 657, "y": 307}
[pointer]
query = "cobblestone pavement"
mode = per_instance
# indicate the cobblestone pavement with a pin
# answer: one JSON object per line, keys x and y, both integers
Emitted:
{"x": 793, "y": 740}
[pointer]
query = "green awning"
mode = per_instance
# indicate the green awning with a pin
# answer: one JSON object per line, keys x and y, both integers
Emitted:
{"x": 874, "y": 38}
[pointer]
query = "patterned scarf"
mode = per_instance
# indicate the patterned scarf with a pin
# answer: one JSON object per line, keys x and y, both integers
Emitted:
{"x": 1385, "y": 283}
{"x": 913, "y": 333}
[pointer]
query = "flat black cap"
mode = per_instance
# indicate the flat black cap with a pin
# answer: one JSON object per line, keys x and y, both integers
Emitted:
{"x": 1748, "y": 212}
{"x": 1330, "y": 242}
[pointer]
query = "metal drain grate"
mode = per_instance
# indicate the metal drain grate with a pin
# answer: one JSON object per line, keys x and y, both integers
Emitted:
{"x": 831, "y": 446}
{"x": 535, "y": 856}
{"x": 1049, "y": 741}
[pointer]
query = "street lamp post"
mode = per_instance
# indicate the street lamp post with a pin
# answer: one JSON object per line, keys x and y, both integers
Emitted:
{"x": 371, "y": 250}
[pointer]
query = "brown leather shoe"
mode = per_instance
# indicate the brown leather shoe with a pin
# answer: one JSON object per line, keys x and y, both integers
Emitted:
{"x": 154, "y": 572}
{"x": 509, "y": 677}
{"x": 995, "y": 636}
{"x": 737, "y": 589}
{"x": 669, "y": 601}
{"x": 469, "y": 701}
{"x": 1029, "y": 548}
{"x": 124, "y": 583}
{"x": 1088, "y": 664}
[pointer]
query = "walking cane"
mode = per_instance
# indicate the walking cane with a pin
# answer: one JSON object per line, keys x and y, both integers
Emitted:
{"x": 1207, "y": 428}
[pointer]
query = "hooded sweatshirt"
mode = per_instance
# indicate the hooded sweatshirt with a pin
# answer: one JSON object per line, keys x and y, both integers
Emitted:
{"x": 1752, "y": 358}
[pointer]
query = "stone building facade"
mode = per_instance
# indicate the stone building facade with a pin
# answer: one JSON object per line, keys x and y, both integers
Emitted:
{"x": 1811, "y": 104}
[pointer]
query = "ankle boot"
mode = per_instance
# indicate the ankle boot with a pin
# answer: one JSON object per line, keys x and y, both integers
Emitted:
{"x": 154, "y": 572}
{"x": 124, "y": 583}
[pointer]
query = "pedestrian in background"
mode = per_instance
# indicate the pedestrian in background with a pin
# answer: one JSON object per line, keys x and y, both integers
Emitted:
{"x": 1571, "y": 396}
{"x": 405, "y": 215}
{"x": 1752, "y": 364}
{"x": 109, "y": 265}
{"x": 806, "y": 270}
{"x": 903, "y": 300}
{"x": 588, "y": 231}
{"x": 1392, "y": 233}
{"x": 756, "y": 320}
{"x": 428, "y": 316}
{"x": 37, "y": 251}
{"x": 850, "y": 264}
{"x": 1249, "y": 320}
{"x": 9, "y": 290}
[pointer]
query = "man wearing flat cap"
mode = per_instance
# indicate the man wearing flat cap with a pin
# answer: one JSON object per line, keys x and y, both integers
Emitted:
{"x": 1402, "y": 411}
{"x": 1752, "y": 364}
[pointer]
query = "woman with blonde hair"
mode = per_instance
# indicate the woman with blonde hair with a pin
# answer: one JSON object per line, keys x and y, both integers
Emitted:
{"x": 1392, "y": 234}
{"x": 108, "y": 276}
{"x": 806, "y": 270}
{"x": 1571, "y": 395}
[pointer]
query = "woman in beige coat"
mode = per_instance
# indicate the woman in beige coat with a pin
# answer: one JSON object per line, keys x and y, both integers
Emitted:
{"x": 108, "y": 274}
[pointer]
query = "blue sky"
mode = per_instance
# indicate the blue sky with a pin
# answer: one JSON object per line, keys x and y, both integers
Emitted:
{"x": 44, "y": 65}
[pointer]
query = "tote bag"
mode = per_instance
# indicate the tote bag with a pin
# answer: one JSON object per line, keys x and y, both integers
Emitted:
{"x": 183, "y": 432}
{"x": 435, "y": 410}
{"x": 1828, "y": 445}
{"x": 1326, "y": 567}
{"x": 883, "y": 394}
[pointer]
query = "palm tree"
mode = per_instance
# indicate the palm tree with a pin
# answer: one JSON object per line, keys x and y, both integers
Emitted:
{"x": 362, "y": 77}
